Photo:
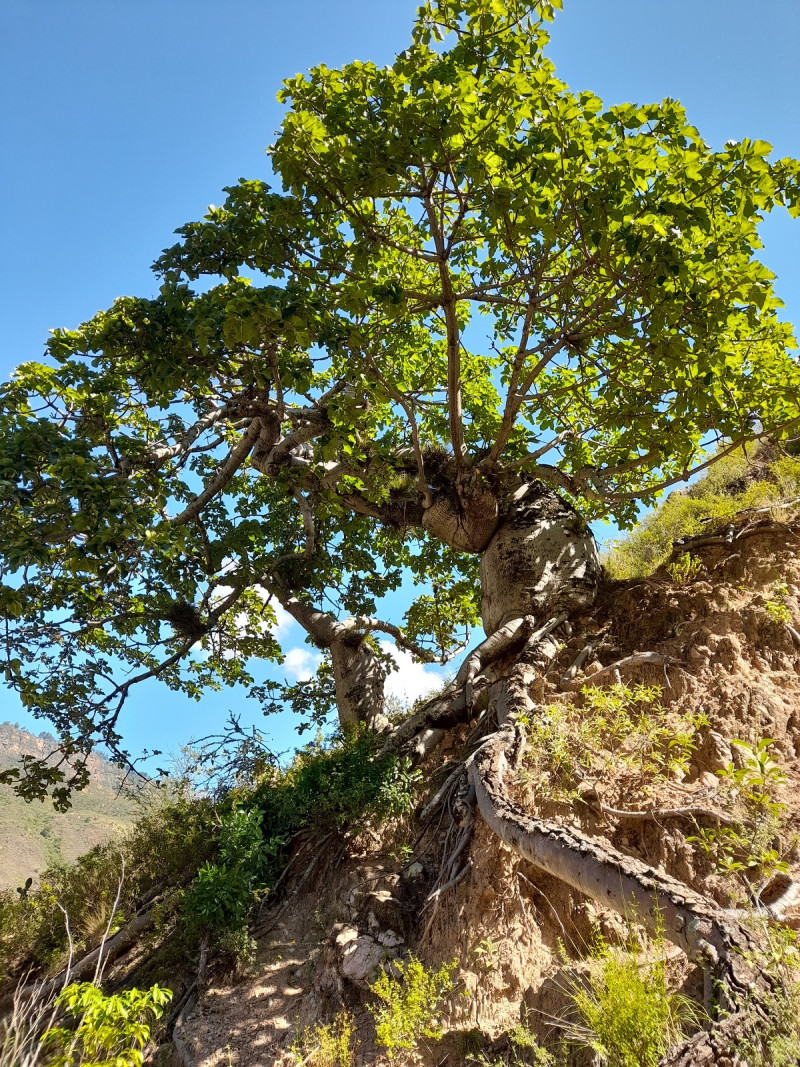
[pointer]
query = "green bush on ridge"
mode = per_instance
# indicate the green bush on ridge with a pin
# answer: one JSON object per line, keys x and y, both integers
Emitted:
{"x": 732, "y": 485}
{"x": 218, "y": 857}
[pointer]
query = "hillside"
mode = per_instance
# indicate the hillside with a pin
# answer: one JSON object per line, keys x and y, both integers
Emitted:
{"x": 441, "y": 888}
{"x": 33, "y": 836}
{"x": 664, "y": 734}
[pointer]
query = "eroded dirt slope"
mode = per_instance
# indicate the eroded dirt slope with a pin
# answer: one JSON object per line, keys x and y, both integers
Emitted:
{"x": 727, "y": 664}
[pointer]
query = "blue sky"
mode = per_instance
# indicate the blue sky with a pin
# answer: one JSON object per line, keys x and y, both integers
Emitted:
{"x": 123, "y": 120}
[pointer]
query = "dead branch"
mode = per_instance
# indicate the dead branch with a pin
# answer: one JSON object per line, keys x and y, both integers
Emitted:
{"x": 110, "y": 950}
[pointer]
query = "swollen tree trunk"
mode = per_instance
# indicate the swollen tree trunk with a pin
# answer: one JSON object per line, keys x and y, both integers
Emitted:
{"x": 541, "y": 560}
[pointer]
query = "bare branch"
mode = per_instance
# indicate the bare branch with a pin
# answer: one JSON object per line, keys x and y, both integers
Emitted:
{"x": 187, "y": 439}
{"x": 225, "y": 472}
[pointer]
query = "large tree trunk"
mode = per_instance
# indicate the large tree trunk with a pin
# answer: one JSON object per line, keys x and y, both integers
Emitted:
{"x": 358, "y": 672}
{"x": 541, "y": 560}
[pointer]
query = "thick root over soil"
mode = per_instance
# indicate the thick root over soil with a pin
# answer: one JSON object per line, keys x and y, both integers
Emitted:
{"x": 662, "y": 904}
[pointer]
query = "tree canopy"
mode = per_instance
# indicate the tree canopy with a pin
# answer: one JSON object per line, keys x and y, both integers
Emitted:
{"x": 471, "y": 280}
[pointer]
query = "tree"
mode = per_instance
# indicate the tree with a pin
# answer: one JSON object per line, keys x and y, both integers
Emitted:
{"x": 481, "y": 311}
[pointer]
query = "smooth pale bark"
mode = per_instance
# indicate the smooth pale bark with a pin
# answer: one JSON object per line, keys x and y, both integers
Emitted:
{"x": 358, "y": 673}
{"x": 542, "y": 560}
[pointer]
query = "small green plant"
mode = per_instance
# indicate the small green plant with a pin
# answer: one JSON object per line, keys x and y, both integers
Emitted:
{"x": 240, "y": 948}
{"x": 748, "y": 850}
{"x": 526, "y": 1050}
{"x": 776, "y": 607}
{"x": 326, "y": 1045}
{"x": 411, "y": 1004}
{"x": 777, "y": 1040}
{"x": 625, "y": 1011}
{"x": 223, "y": 893}
{"x": 621, "y": 732}
{"x": 685, "y": 568}
{"x": 487, "y": 952}
{"x": 522, "y": 1050}
{"x": 109, "y": 1031}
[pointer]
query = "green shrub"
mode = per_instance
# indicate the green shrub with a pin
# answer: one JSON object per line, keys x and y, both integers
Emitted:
{"x": 684, "y": 569}
{"x": 327, "y": 1044}
{"x": 223, "y": 892}
{"x": 748, "y": 850}
{"x": 626, "y": 1013}
{"x": 775, "y": 1039}
{"x": 621, "y": 732}
{"x": 727, "y": 489}
{"x": 776, "y": 607}
{"x": 109, "y": 1031}
{"x": 336, "y": 785}
{"x": 411, "y": 1004}
{"x": 173, "y": 836}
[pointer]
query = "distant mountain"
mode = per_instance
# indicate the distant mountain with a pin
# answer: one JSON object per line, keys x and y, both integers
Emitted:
{"x": 33, "y": 836}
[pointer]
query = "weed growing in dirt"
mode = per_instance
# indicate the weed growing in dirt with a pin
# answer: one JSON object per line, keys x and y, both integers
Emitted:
{"x": 685, "y": 568}
{"x": 487, "y": 953}
{"x": 108, "y": 1029}
{"x": 527, "y": 1052}
{"x": 624, "y": 1010}
{"x": 622, "y": 733}
{"x": 750, "y": 850}
{"x": 776, "y": 607}
{"x": 523, "y": 1050}
{"x": 777, "y": 1040}
{"x": 411, "y": 1005}
{"x": 327, "y": 1044}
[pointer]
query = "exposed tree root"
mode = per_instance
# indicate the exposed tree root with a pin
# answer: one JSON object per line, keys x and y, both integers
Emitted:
{"x": 697, "y": 925}
{"x": 568, "y": 685}
{"x": 691, "y": 811}
{"x": 85, "y": 968}
{"x": 179, "y": 1044}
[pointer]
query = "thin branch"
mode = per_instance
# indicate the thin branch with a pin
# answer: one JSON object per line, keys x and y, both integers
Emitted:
{"x": 454, "y": 403}
{"x": 367, "y": 622}
{"x": 225, "y": 472}
{"x": 187, "y": 439}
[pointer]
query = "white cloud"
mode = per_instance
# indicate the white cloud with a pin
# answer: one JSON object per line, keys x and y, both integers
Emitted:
{"x": 301, "y": 663}
{"x": 284, "y": 621}
{"x": 411, "y": 680}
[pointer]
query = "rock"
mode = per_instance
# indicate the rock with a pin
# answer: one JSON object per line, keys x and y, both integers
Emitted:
{"x": 383, "y": 911}
{"x": 716, "y": 751}
{"x": 389, "y": 939}
{"x": 699, "y": 655}
{"x": 414, "y": 871}
{"x": 362, "y": 956}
